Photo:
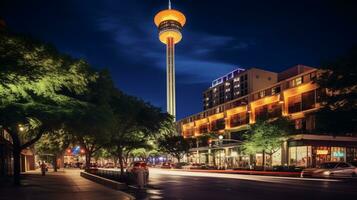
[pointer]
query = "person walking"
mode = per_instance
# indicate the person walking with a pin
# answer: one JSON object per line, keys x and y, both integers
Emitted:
{"x": 43, "y": 168}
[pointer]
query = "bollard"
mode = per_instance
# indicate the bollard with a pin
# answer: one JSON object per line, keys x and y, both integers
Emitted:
{"x": 141, "y": 178}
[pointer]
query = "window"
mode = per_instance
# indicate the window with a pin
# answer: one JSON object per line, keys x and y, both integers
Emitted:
{"x": 298, "y": 81}
{"x": 218, "y": 124}
{"x": 338, "y": 154}
{"x": 300, "y": 156}
{"x": 236, "y": 79}
{"x": 261, "y": 112}
{"x": 275, "y": 90}
{"x": 203, "y": 128}
{"x": 294, "y": 104}
{"x": 308, "y": 100}
{"x": 239, "y": 119}
{"x": 261, "y": 94}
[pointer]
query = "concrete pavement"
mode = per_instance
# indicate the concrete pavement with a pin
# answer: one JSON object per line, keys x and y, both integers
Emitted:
{"x": 60, "y": 186}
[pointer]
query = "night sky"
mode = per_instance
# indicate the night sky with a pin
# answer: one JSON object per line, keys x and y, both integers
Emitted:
{"x": 219, "y": 35}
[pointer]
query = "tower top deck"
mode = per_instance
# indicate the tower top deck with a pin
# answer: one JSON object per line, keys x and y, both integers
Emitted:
{"x": 170, "y": 14}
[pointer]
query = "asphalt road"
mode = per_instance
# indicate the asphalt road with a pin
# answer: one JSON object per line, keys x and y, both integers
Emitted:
{"x": 169, "y": 184}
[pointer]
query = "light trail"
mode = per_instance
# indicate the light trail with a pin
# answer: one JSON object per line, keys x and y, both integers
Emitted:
{"x": 270, "y": 179}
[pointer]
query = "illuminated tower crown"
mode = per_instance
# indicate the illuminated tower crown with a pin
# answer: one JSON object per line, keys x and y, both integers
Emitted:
{"x": 170, "y": 23}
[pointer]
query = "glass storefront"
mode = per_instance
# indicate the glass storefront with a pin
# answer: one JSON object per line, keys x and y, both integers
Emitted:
{"x": 338, "y": 154}
{"x": 300, "y": 156}
{"x": 311, "y": 156}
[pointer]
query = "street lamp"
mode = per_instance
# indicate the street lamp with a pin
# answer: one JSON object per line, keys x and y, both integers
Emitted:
{"x": 21, "y": 128}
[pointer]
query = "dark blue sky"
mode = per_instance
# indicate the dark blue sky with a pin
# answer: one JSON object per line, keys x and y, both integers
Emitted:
{"x": 219, "y": 35}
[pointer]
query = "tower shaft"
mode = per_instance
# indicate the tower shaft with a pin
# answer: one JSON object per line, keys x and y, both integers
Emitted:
{"x": 170, "y": 77}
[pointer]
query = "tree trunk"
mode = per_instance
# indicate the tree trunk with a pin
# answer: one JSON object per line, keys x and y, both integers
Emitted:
{"x": 264, "y": 160}
{"x": 16, "y": 154}
{"x": 55, "y": 167}
{"x": 88, "y": 158}
{"x": 120, "y": 156}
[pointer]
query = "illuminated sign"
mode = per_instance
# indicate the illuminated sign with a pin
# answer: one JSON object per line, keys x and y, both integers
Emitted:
{"x": 322, "y": 152}
{"x": 338, "y": 154}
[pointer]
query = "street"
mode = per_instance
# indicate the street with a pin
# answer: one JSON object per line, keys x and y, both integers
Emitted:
{"x": 171, "y": 184}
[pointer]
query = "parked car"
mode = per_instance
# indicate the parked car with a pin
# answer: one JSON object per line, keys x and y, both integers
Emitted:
{"x": 331, "y": 169}
{"x": 179, "y": 165}
{"x": 166, "y": 165}
{"x": 109, "y": 165}
{"x": 92, "y": 168}
{"x": 134, "y": 166}
{"x": 194, "y": 166}
{"x": 354, "y": 163}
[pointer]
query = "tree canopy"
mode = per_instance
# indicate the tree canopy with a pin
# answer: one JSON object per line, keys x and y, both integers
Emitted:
{"x": 339, "y": 112}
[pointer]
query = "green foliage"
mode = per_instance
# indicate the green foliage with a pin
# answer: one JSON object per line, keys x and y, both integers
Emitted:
{"x": 266, "y": 136}
{"x": 37, "y": 84}
{"x": 176, "y": 146}
{"x": 54, "y": 143}
{"x": 339, "y": 112}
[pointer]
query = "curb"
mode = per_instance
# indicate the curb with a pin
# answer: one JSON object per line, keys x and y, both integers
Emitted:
{"x": 104, "y": 181}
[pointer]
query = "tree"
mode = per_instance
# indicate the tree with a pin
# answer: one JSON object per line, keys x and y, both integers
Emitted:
{"x": 53, "y": 144}
{"x": 338, "y": 114}
{"x": 177, "y": 146}
{"x": 266, "y": 137}
{"x": 38, "y": 86}
{"x": 135, "y": 121}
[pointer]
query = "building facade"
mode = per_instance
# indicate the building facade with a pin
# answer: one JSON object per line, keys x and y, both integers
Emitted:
{"x": 6, "y": 164}
{"x": 27, "y": 158}
{"x": 291, "y": 93}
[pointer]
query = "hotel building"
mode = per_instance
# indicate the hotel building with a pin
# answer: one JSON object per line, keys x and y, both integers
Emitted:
{"x": 240, "y": 98}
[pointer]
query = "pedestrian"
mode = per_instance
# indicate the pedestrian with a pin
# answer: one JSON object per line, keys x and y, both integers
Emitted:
{"x": 43, "y": 168}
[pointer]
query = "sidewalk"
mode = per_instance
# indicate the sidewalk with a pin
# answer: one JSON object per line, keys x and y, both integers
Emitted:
{"x": 60, "y": 186}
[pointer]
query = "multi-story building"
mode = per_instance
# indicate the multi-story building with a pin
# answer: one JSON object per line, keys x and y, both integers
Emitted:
{"x": 27, "y": 159}
{"x": 235, "y": 84}
{"x": 6, "y": 165}
{"x": 291, "y": 93}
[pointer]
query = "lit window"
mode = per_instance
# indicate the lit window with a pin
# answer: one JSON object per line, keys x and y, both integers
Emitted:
{"x": 298, "y": 81}
{"x": 228, "y": 90}
{"x": 262, "y": 93}
{"x": 228, "y": 83}
{"x": 215, "y": 90}
{"x": 236, "y": 79}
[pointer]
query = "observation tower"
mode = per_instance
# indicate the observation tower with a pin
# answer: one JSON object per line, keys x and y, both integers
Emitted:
{"x": 169, "y": 23}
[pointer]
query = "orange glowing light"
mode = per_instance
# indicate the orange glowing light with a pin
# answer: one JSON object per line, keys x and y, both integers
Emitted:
{"x": 176, "y": 35}
{"x": 322, "y": 152}
{"x": 170, "y": 14}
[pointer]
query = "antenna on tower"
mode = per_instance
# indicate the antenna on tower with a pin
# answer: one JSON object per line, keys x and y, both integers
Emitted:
{"x": 169, "y": 5}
